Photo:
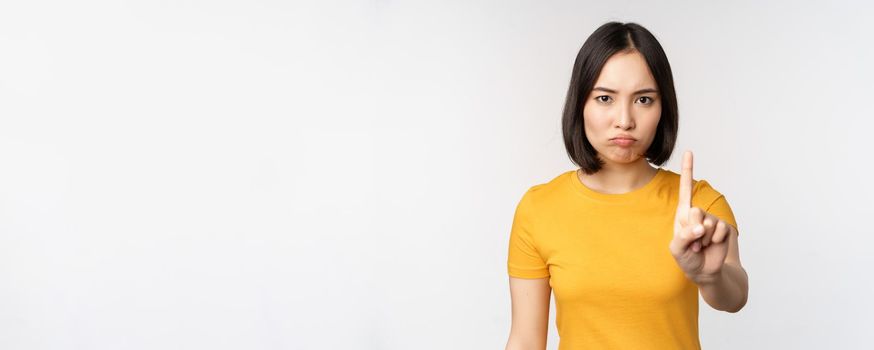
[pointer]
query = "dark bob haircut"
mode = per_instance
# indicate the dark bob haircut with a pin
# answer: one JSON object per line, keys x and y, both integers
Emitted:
{"x": 610, "y": 38}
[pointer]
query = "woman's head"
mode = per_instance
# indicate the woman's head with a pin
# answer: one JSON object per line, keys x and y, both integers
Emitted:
{"x": 621, "y": 85}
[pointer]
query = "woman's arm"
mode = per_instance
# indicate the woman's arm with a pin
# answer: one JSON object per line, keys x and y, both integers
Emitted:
{"x": 728, "y": 292}
{"x": 530, "y": 299}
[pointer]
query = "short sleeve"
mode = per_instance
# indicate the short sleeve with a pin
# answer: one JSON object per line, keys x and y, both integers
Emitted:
{"x": 714, "y": 203}
{"x": 523, "y": 258}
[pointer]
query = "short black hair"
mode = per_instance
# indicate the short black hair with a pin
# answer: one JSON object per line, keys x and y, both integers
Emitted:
{"x": 610, "y": 38}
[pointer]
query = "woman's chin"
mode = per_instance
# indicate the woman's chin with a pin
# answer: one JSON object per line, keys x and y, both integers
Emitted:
{"x": 623, "y": 158}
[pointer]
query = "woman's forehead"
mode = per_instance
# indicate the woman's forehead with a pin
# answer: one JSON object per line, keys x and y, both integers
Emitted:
{"x": 626, "y": 73}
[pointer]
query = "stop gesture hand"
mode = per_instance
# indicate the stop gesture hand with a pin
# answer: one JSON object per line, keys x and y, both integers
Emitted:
{"x": 700, "y": 241}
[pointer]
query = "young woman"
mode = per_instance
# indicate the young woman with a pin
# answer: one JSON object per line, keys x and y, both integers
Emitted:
{"x": 624, "y": 246}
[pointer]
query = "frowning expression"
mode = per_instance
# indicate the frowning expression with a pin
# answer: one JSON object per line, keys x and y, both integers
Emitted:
{"x": 622, "y": 112}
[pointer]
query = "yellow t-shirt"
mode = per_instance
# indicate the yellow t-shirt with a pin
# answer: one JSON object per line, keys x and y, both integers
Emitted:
{"x": 615, "y": 282}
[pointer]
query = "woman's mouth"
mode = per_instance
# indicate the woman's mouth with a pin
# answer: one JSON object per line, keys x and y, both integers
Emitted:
{"x": 623, "y": 142}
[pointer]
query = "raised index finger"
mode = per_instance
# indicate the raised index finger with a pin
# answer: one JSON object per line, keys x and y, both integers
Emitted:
{"x": 685, "y": 184}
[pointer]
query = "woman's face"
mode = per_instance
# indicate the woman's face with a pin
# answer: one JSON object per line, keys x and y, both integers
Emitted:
{"x": 624, "y": 102}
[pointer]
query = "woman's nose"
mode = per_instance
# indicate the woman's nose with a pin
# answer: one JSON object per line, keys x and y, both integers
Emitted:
{"x": 624, "y": 120}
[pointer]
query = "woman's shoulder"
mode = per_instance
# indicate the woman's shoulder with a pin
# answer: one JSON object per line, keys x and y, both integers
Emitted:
{"x": 703, "y": 192}
{"x": 673, "y": 179}
{"x": 556, "y": 185}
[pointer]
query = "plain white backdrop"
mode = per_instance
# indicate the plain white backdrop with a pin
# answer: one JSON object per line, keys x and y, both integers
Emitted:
{"x": 343, "y": 175}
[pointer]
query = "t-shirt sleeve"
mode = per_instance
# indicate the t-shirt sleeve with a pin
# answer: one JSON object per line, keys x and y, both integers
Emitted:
{"x": 714, "y": 203}
{"x": 523, "y": 258}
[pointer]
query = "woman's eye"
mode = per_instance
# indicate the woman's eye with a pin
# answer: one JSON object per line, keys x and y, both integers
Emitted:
{"x": 603, "y": 98}
{"x": 647, "y": 99}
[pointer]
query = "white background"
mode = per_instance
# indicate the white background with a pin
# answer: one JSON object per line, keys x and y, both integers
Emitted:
{"x": 343, "y": 175}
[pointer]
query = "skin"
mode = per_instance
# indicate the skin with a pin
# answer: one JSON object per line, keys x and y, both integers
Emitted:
{"x": 607, "y": 114}
{"x": 703, "y": 246}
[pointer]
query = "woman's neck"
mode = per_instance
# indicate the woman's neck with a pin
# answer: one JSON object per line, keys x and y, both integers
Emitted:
{"x": 615, "y": 178}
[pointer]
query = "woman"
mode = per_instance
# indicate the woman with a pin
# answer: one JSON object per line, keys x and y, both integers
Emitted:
{"x": 625, "y": 247}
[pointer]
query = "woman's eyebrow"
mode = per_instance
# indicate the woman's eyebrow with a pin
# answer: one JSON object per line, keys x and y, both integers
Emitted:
{"x": 641, "y": 91}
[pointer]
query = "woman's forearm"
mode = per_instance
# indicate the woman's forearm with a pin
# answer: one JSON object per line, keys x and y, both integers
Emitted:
{"x": 729, "y": 291}
{"x": 517, "y": 343}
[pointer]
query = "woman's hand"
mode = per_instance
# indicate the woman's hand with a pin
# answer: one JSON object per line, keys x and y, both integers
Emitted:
{"x": 699, "y": 245}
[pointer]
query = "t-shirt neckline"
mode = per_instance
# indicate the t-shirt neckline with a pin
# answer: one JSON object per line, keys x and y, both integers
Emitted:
{"x": 638, "y": 193}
